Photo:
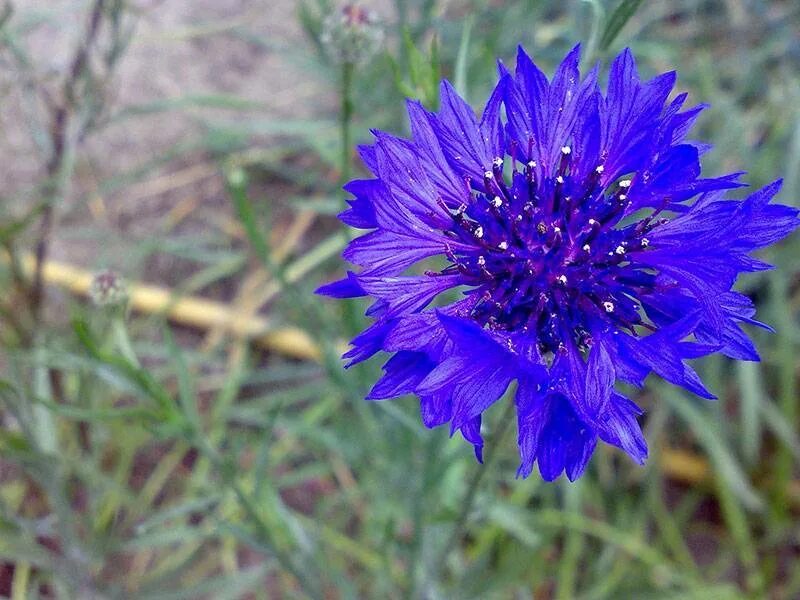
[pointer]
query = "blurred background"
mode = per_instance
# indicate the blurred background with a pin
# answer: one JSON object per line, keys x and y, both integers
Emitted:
{"x": 174, "y": 418}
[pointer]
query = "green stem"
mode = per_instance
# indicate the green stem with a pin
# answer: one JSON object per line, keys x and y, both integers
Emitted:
{"x": 123, "y": 341}
{"x": 788, "y": 390}
{"x": 472, "y": 490}
{"x": 573, "y": 544}
{"x": 350, "y": 312}
{"x": 743, "y": 542}
{"x": 345, "y": 119}
{"x": 432, "y": 448}
{"x": 598, "y": 16}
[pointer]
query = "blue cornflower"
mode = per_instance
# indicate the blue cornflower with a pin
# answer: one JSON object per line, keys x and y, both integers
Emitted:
{"x": 588, "y": 249}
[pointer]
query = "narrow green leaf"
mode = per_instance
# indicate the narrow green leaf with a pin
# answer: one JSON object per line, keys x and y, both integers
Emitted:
{"x": 187, "y": 103}
{"x": 170, "y": 536}
{"x": 514, "y": 521}
{"x": 98, "y": 414}
{"x": 235, "y": 585}
{"x": 598, "y": 16}
{"x": 617, "y": 20}
{"x": 708, "y": 434}
{"x": 14, "y": 548}
{"x": 121, "y": 366}
{"x": 237, "y": 187}
{"x": 462, "y": 58}
{"x": 752, "y": 393}
{"x": 186, "y": 392}
{"x": 781, "y": 428}
{"x": 179, "y": 511}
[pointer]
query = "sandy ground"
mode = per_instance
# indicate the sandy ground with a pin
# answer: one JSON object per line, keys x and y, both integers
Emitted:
{"x": 180, "y": 48}
{"x": 249, "y": 49}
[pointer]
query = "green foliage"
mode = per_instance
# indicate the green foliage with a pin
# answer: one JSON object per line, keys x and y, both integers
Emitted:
{"x": 138, "y": 460}
{"x": 624, "y": 11}
{"x": 424, "y": 72}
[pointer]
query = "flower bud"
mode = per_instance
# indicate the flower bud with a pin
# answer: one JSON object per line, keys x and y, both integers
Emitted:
{"x": 108, "y": 289}
{"x": 352, "y": 34}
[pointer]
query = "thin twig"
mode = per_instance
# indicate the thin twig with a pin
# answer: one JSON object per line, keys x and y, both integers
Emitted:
{"x": 5, "y": 13}
{"x": 192, "y": 312}
{"x": 59, "y": 131}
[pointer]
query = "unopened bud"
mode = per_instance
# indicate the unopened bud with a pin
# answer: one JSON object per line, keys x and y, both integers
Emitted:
{"x": 108, "y": 289}
{"x": 352, "y": 34}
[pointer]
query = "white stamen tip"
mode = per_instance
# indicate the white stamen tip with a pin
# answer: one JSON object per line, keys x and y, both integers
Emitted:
{"x": 625, "y": 183}
{"x": 609, "y": 306}
{"x": 620, "y": 250}
{"x": 562, "y": 279}
{"x": 481, "y": 260}
{"x": 592, "y": 221}
{"x": 557, "y": 229}
{"x": 497, "y": 162}
{"x": 488, "y": 174}
{"x": 586, "y": 247}
{"x": 503, "y": 245}
{"x": 478, "y": 233}
{"x": 622, "y": 197}
{"x": 565, "y": 150}
{"x": 497, "y": 202}
{"x": 560, "y": 179}
{"x": 645, "y": 242}
{"x": 599, "y": 169}
{"x": 532, "y": 164}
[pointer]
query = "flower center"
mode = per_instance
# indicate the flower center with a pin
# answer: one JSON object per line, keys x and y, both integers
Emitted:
{"x": 551, "y": 260}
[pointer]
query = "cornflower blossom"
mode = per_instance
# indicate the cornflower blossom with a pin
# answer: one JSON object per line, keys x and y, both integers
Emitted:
{"x": 586, "y": 247}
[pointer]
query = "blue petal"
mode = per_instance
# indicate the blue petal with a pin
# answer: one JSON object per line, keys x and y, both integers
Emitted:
{"x": 400, "y": 169}
{"x": 620, "y": 428}
{"x": 600, "y": 376}
{"x": 448, "y": 184}
{"x": 387, "y": 253}
{"x": 473, "y": 388}
{"x": 661, "y": 352}
{"x": 343, "y": 288}
{"x": 469, "y": 151}
{"x": 525, "y": 100}
{"x": 368, "y": 157}
{"x": 472, "y": 433}
{"x": 407, "y": 294}
{"x": 368, "y": 343}
{"x": 436, "y": 408}
{"x": 403, "y": 372}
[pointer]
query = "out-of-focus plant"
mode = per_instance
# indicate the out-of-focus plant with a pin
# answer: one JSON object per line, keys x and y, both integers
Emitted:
{"x": 65, "y": 112}
{"x": 423, "y": 74}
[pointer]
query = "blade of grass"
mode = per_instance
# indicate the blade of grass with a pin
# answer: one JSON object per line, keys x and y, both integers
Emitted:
{"x": 752, "y": 393}
{"x": 462, "y": 59}
{"x": 573, "y": 545}
{"x": 708, "y": 434}
{"x": 624, "y": 11}
{"x": 783, "y": 465}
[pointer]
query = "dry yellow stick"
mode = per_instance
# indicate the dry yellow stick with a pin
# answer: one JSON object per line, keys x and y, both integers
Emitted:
{"x": 194, "y": 312}
{"x": 247, "y": 301}
{"x": 685, "y": 466}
